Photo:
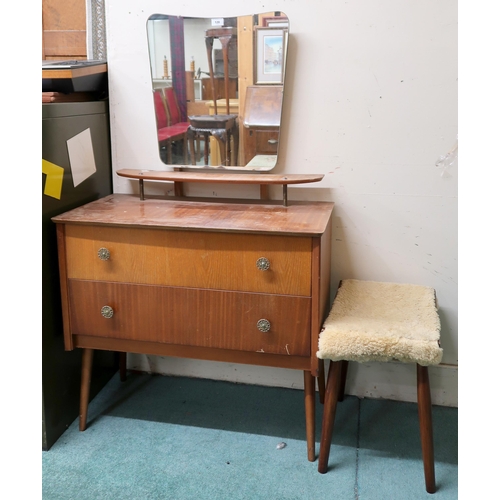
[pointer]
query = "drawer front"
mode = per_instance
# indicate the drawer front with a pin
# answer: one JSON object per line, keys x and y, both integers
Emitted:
{"x": 194, "y": 317}
{"x": 193, "y": 259}
{"x": 266, "y": 142}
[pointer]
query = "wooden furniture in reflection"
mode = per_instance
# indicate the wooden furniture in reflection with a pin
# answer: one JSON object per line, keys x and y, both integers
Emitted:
{"x": 223, "y": 281}
{"x": 215, "y": 150}
{"x": 261, "y": 120}
{"x": 224, "y": 128}
{"x": 207, "y": 91}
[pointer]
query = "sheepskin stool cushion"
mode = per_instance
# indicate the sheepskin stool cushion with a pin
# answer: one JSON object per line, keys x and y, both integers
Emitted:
{"x": 376, "y": 321}
{"x": 373, "y": 321}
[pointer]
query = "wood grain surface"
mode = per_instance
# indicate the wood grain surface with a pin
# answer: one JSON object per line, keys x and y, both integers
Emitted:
{"x": 266, "y": 217}
{"x": 195, "y": 317}
{"x": 190, "y": 259}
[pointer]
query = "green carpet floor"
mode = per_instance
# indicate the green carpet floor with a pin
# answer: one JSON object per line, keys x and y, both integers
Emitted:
{"x": 154, "y": 437}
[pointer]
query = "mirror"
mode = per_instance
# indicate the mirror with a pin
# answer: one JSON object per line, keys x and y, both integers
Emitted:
{"x": 218, "y": 89}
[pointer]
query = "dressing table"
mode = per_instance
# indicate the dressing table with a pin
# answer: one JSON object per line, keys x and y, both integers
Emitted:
{"x": 223, "y": 280}
{"x": 239, "y": 281}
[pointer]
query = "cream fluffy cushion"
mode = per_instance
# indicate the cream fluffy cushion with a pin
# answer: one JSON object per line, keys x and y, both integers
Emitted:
{"x": 373, "y": 321}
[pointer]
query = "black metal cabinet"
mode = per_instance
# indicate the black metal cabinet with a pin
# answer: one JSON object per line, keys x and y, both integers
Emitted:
{"x": 61, "y": 369}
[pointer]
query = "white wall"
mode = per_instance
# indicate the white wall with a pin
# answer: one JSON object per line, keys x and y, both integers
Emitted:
{"x": 370, "y": 101}
{"x": 194, "y": 46}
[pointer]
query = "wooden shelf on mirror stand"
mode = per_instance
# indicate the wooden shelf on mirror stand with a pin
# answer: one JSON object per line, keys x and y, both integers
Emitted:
{"x": 222, "y": 178}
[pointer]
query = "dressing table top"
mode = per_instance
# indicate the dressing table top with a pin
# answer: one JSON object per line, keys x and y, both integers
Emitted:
{"x": 255, "y": 216}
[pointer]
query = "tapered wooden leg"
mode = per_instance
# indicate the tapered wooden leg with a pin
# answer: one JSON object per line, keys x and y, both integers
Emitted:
{"x": 425, "y": 419}
{"x": 309, "y": 400}
{"x": 331, "y": 397}
{"x": 321, "y": 380}
{"x": 123, "y": 366}
{"x": 343, "y": 378}
{"x": 87, "y": 357}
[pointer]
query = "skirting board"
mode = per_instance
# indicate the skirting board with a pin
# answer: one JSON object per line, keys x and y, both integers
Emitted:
{"x": 395, "y": 381}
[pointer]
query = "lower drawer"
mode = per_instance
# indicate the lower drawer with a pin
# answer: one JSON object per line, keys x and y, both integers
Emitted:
{"x": 190, "y": 316}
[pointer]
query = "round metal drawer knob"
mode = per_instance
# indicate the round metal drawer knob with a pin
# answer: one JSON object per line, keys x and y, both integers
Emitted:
{"x": 107, "y": 312}
{"x": 263, "y": 325}
{"x": 103, "y": 253}
{"x": 263, "y": 264}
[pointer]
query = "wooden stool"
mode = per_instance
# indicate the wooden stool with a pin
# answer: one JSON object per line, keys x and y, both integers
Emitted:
{"x": 373, "y": 321}
{"x": 222, "y": 127}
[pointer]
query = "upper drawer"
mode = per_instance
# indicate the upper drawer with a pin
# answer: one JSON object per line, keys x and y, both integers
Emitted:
{"x": 224, "y": 261}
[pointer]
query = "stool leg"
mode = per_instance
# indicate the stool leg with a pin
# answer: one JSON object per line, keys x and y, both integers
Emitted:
{"x": 425, "y": 419}
{"x": 309, "y": 400}
{"x": 321, "y": 380}
{"x": 87, "y": 357}
{"x": 331, "y": 397}
{"x": 343, "y": 378}
{"x": 205, "y": 151}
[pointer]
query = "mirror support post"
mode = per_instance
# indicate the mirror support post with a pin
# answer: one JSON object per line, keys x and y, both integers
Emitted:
{"x": 285, "y": 195}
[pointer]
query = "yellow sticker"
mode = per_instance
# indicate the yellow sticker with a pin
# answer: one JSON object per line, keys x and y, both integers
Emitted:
{"x": 54, "y": 181}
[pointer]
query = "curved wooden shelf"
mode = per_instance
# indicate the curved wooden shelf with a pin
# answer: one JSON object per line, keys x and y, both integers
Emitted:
{"x": 227, "y": 178}
{"x": 222, "y": 178}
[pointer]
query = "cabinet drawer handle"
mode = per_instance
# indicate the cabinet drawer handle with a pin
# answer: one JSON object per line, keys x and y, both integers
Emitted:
{"x": 263, "y": 264}
{"x": 107, "y": 312}
{"x": 272, "y": 141}
{"x": 103, "y": 253}
{"x": 263, "y": 325}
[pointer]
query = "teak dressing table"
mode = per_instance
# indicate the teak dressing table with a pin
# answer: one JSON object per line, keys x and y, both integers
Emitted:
{"x": 233, "y": 281}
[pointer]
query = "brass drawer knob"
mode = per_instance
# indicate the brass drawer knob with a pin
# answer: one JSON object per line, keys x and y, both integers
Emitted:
{"x": 263, "y": 264}
{"x": 103, "y": 253}
{"x": 107, "y": 312}
{"x": 263, "y": 325}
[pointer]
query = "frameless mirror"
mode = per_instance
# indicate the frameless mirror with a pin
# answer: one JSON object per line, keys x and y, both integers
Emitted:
{"x": 218, "y": 89}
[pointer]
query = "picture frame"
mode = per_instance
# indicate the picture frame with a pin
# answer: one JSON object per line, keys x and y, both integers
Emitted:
{"x": 270, "y": 55}
{"x": 275, "y": 22}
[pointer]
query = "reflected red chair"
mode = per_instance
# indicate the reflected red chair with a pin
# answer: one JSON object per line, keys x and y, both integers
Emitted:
{"x": 168, "y": 123}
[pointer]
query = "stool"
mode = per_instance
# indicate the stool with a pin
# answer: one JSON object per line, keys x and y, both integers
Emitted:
{"x": 373, "y": 321}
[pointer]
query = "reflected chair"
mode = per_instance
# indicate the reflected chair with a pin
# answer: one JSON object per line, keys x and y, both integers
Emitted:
{"x": 373, "y": 321}
{"x": 169, "y": 129}
{"x": 224, "y": 128}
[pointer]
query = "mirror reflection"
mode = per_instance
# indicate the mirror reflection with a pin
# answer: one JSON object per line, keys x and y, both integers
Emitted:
{"x": 218, "y": 89}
